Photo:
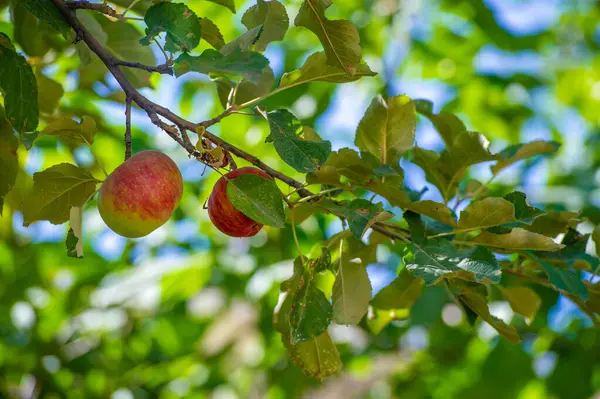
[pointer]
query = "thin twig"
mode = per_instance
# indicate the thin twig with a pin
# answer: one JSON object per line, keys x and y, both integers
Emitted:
{"x": 101, "y": 8}
{"x": 128, "y": 128}
{"x": 164, "y": 69}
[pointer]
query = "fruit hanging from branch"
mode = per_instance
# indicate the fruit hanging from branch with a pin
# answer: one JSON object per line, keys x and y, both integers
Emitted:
{"x": 222, "y": 212}
{"x": 141, "y": 194}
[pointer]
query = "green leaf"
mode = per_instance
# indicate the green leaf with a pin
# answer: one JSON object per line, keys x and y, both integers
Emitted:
{"x": 31, "y": 34}
{"x": 340, "y": 38}
{"x": 554, "y": 223}
{"x": 9, "y": 164}
{"x": 248, "y": 64}
{"x": 523, "y": 300}
{"x": 19, "y": 86}
{"x": 438, "y": 257}
{"x": 49, "y": 93}
{"x": 181, "y": 24}
{"x": 225, "y": 3}
{"x": 243, "y": 42}
{"x": 258, "y": 198}
{"x": 86, "y": 56}
{"x": 318, "y": 357}
{"x": 55, "y": 191}
{"x": 400, "y": 294}
{"x": 517, "y": 240}
{"x": 47, "y": 12}
{"x": 563, "y": 279}
{"x": 351, "y": 291}
{"x": 75, "y": 235}
{"x": 345, "y": 162}
{"x": 246, "y": 90}
{"x": 519, "y": 152}
{"x": 448, "y": 125}
{"x": 27, "y": 139}
{"x": 478, "y": 304}
{"x": 71, "y": 132}
{"x": 387, "y": 130}
{"x": 596, "y": 239}
{"x": 523, "y": 211}
{"x": 272, "y": 16}
{"x": 447, "y": 169}
{"x": 316, "y": 69}
{"x": 432, "y": 209}
{"x": 310, "y": 314}
{"x": 486, "y": 213}
{"x": 303, "y": 155}
{"x": 360, "y": 214}
{"x": 211, "y": 33}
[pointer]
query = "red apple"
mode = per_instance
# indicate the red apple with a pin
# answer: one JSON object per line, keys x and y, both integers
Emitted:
{"x": 222, "y": 212}
{"x": 141, "y": 194}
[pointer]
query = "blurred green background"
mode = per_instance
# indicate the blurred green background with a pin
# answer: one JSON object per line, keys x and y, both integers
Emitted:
{"x": 187, "y": 312}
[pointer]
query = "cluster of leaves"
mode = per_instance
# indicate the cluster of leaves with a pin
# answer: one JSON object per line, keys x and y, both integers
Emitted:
{"x": 437, "y": 245}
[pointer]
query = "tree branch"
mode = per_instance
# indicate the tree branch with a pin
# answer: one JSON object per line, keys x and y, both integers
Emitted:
{"x": 101, "y": 8}
{"x": 155, "y": 111}
{"x": 128, "y": 128}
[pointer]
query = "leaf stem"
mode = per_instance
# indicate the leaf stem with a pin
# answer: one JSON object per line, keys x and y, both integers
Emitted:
{"x": 320, "y": 194}
{"x": 296, "y": 236}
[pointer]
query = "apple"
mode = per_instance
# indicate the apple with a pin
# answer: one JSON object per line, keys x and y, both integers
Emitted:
{"x": 141, "y": 194}
{"x": 224, "y": 215}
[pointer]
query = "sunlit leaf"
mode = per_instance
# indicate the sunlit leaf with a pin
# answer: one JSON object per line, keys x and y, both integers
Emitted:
{"x": 318, "y": 357}
{"x": 517, "y": 240}
{"x": 71, "y": 132}
{"x": 351, "y": 291}
{"x": 519, "y": 152}
{"x": 74, "y": 241}
{"x": 387, "y": 130}
{"x": 182, "y": 26}
{"x": 211, "y": 33}
{"x": 316, "y": 69}
{"x": 55, "y": 191}
{"x": 478, "y": 304}
{"x": 272, "y": 16}
{"x": 340, "y": 38}
{"x": 401, "y": 293}
{"x": 258, "y": 198}
{"x": 230, "y": 4}
{"x": 523, "y": 300}
{"x": 486, "y": 213}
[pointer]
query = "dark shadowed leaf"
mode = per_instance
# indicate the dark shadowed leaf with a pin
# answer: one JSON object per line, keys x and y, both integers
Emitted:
{"x": 554, "y": 223}
{"x": 47, "y": 12}
{"x": 360, "y": 214}
{"x": 182, "y": 26}
{"x": 258, "y": 198}
{"x": 563, "y": 279}
{"x": 351, "y": 291}
{"x": 339, "y": 38}
{"x": 439, "y": 257}
{"x": 303, "y": 155}
{"x": 9, "y": 165}
{"x": 272, "y": 16}
{"x": 95, "y": 28}
{"x": 19, "y": 87}
{"x": 310, "y": 314}
{"x": 523, "y": 211}
{"x": 387, "y": 130}
{"x": 248, "y": 64}
{"x": 55, "y": 191}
